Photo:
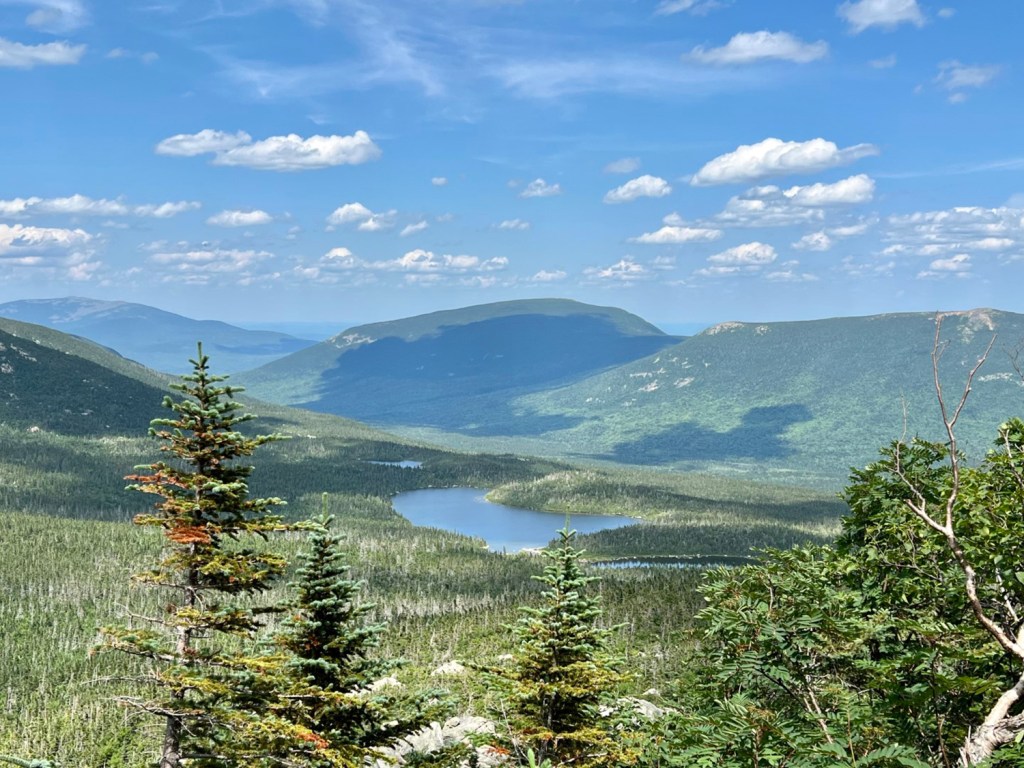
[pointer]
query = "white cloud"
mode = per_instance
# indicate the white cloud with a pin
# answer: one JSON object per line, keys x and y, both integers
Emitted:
{"x": 814, "y": 241}
{"x": 887, "y": 14}
{"x": 439, "y": 181}
{"x": 147, "y": 57}
{"x": 518, "y": 224}
{"x": 774, "y": 157}
{"x": 206, "y": 141}
{"x": 766, "y": 206}
{"x": 412, "y": 229}
{"x": 885, "y": 62}
{"x": 956, "y": 230}
{"x": 669, "y": 7}
{"x": 957, "y": 266}
{"x": 540, "y": 188}
{"x": 18, "y": 238}
{"x": 788, "y": 273}
{"x": 20, "y": 56}
{"x": 749, "y": 254}
{"x": 748, "y": 47}
{"x": 240, "y": 218}
{"x": 678, "y": 234}
{"x": 82, "y": 205}
{"x": 366, "y": 220}
{"x": 166, "y": 210}
{"x": 852, "y": 230}
{"x": 276, "y": 153}
{"x": 947, "y": 13}
{"x": 956, "y": 77}
{"x": 623, "y": 271}
{"x": 642, "y": 186}
{"x": 198, "y": 266}
{"x": 851, "y": 191}
{"x": 623, "y": 165}
{"x": 55, "y": 16}
{"x": 548, "y": 276}
{"x": 418, "y": 261}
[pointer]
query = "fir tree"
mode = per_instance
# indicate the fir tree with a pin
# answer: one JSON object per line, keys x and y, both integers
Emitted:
{"x": 203, "y": 511}
{"x": 561, "y": 671}
{"x": 329, "y": 644}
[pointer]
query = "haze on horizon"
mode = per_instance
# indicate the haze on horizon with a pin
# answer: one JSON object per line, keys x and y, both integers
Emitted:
{"x": 687, "y": 160}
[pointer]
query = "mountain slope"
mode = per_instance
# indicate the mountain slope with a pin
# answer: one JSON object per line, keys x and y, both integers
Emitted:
{"x": 811, "y": 398}
{"x": 457, "y": 369}
{"x": 161, "y": 340}
{"x": 61, "y": 383}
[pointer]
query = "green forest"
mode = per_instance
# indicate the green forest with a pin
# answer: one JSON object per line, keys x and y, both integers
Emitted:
{"x": 268, "y": 607}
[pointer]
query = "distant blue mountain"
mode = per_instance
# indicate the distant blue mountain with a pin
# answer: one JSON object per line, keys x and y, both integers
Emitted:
{"x": 458, "y": 370}
{"x": 156, "y": 338}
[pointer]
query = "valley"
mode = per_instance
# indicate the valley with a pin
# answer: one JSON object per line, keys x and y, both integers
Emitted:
{"x": 73, "y": 423}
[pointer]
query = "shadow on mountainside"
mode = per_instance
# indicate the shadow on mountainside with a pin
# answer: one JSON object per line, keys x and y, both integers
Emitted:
{"x": 759, "y": 436}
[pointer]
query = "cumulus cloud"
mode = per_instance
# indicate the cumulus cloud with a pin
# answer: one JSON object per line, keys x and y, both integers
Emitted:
{"x": 766, "y": 206}
{"x": 18, "y": 238}
{"x": 745, "y": 255}
{"x": 774, "y": 157}
{"x": 439, "y": 181}
{"x": 205, "y": 142}
{"x": 548, "y": 276}
{"x": 417, "y": 262}
{"x": 165, "y": 210}
{"x": 82, "y": 205}
{"x": 956, "y": 266}
{"x": 749, "y": 47}
{"x": 276, "y": 153}
{"x": 678, "y": 233}
{"x": 956, "y": 230}
{"x": 642, "y": 186}
{"x": 20, "y": 56}
{"x": 200, "y": 265}
{"x": 623, "y": 165}
{"x": 851, "y": 191}
{"x": 540, "y": 188}
{"x": 365, "y": 219}
{"x": 623, "y": 271}
{"x": 814, "y": 241}
{"x": 517, "y": 224}
{"x": 240, "y": 218}
{"x": 887, "y": 14}
{"x": 412, "y": 229}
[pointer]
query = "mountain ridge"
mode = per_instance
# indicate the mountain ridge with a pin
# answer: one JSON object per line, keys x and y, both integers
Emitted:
{"x": 156, "y": 338}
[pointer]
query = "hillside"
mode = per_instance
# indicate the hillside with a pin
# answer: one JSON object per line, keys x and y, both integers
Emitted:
{"x": 796, "y": 400}
{"x": 61, "y": 383}
{"x": 458, "y": 370}
{"x": 158, "y": 339}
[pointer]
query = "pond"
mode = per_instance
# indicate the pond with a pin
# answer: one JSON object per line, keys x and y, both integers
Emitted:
{"x": 505, "y": 529}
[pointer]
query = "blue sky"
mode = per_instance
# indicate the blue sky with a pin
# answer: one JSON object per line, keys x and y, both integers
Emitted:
{"x": 343, "y": 160}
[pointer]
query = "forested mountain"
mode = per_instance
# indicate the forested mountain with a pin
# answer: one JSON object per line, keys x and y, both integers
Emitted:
{"x": 156, "y": 338}
{"x": 810, "y": 398}
{"x": 457, "y": 369}
{"x": 61, "y": 383}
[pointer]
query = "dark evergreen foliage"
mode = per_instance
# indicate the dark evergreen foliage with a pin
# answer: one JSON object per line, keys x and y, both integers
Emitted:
{"x": 203, "y": 511}
{"x": 561, "y": 672}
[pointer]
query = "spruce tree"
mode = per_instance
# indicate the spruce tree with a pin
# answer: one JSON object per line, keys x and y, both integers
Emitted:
{"x": 207, "y": 574}
{"x": 561, "y": 671}
{"x": 329, "y": 645}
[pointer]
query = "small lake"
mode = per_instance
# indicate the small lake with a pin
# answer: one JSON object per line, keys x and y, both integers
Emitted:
{"x": 505, "y": 529}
